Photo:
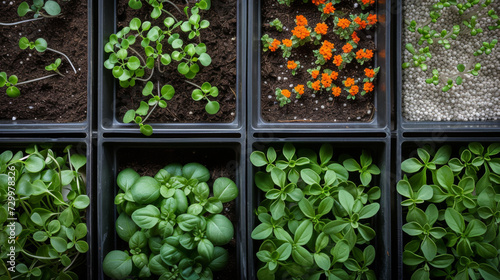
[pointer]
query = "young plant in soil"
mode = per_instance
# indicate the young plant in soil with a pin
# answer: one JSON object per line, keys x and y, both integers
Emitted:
{"x": 172, "y": 223}
{"x": 429, "y": 39}
{"x": 452, "y": 209}
{"x": 314, "y": 220}
{"x": 343, "y": 27}
{"x": 42, "y": 218}
{"x": 140, "y": 49}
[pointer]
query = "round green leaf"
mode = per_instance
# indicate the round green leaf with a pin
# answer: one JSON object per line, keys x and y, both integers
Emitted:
{"x": 146, "y": 217}
{"x": 219, "y": 230}
{"x": 34, "y": 164}
{"x": 177, "y": 43}
{"x": 133, "y": 63}
{"x": 197, "y": 95}
{"x": 135, "y": 23}
{"x": 24, "y": 43}
{"x": 145, "y": 190}
{"x": 196, "y": 171}
{"x": 13, "y": 92}
{"x": 146, "y": 129}
{"x": 212, "y": 107}
{"x": 125, "y": 227}
{"x": 23, "y": 9}
{"x": 168, "y": 21}
{"x": 81, "y": 202}
{"x": 225, "y": 189}
{"x": 117, "y": 264}
{"x": 183, "y": 68}
{"x": 59, "y": 244}
{"x": 52, "y": 8}
{"x": 205, "y": 59}
{"x": 82, "y": 246}
{"x": 167, "y": 92}
{"x": 40, "y": 44}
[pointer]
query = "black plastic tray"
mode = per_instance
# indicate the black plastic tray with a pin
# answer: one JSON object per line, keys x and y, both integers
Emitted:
{"x": 380, "y": 149}
{"x": 381, "y": 120}
{"x": 81, "y": 146}
{"x": 410, "y": 145}
{"x": 33, "y": 126}
{"x": 405, "y": 125}
{"x": 172, "y": 150}
{"x": 107, "y": 119}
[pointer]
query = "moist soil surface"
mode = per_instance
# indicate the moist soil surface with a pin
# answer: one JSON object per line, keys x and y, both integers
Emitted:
{"x": 56, "y": 99}
{"x": 220, "y": 39}
{"x": 319, "y": 107}
{"x": 221, "y": 163}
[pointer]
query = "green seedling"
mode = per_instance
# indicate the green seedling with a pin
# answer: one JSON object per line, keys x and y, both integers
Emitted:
{"x": 41, "y": 46}
{"x": 54, "y": 66}
{"x": 172, "y": 223}
{"x": 39, "y": 8}
{"x": 157, "y": 6}
{"x": 418, "y": 57}
{"x": 203, "y": 92}
{"x": 276, "y": 23}
{"x": 281, "y": 98}
{"x": 194, "y": 24}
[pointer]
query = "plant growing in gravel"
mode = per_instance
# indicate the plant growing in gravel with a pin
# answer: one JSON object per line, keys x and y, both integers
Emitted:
{"x": 313, "y": 221}
{"x": 172, "y": 224}
{"x": 39, "y": 8}
{"x": 42, "y": 221}
{"x": 452, "y": 212}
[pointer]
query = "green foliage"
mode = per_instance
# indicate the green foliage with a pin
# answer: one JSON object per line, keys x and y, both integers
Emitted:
{"x": 45, "y": 193}
{"x": 10, "y": 83}
{"x": 172, "y": 223}
{"x": 42, "y": 8}
{"x": 315, "y": 221}
{"x": 276, "y": 23}
{"x": 203, "y": 92}
{"x": 452, "y": 209}
{"x": 54, "y": 66}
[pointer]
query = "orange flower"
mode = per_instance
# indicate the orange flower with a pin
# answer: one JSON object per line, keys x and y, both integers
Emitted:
{"x": 274, "y": 45}
{"x": 349, "y": 82}
{"x": 347, "y": 48}
{"x": 368, "y": 87}
{"x": 314, "y": 74}
{"x": 372, "y": 19}
{"x": 291, "y": 64}
{"x": 368, "y": 2}
{"x": 316, "y": 85}
{"x": 364, "y": 54}
{"x": 337, "y": 60}
{"x": 362, "y": 24}
{"x": 286, "y": 93}
{"x": 326, "y": 80}
{"x": 321, "y": 28}
{"x": 343, "y": 23}
{"x": 369, "y": 54}
{"x": 299, "y": 89}
{"x": 301, "y": 32}
{"x": 329, "y": 8}
{"x": 287, "y": 42}
{"x": 326, "y": 50}
{"x": 318, "y": 2}
{"x": 301, "y": 20}
{"x": 369, "y": 72}
{"x": 334, "y": 75}
{"x": 336, "y": 91}
{"x": 355, "y": 37}
{"x": 354, "y": 90}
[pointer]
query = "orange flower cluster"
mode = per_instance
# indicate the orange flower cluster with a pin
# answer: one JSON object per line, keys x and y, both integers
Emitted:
{"x": 301, "y": 32}
{"x": 364, "y": 54}
{"x": 368, "y": 87}
{"x": 321, "y": 28}
{"x": 337, "y": 60}
{"x": 347, "y": 48}
{"x": 314, "y": 74}
{"x": 336, "y": 91}
{"x": 287, "y": 42}
{"x": 372, "y": 19}
{"x": 334, "y": 75}
{"x": 355, "y": 37}
{"x": 326, "y": 80}
{"x": 326, "y": 50}
{"x": 343, "y": 23}
{"x": 354, "y": 90}
{"x": 291, "y": 64}
{"x": 301, "y": 20}
{"x": 369, "y": 72}
{"x": 299, "y": 89}
{"x": 274, "y": 45}
{"x": 318, "y": 2}
{"x": 362, "y": 24}
{"x": 329, "y": 8}
{"x": 349, "y": 82}
{"x": 316, "y": 85}
{"x": 368, "y": 2}
{"x": 286, "y": 93}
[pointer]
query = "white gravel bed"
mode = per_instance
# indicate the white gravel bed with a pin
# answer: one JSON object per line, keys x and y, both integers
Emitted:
{"x": 477, "y": 98}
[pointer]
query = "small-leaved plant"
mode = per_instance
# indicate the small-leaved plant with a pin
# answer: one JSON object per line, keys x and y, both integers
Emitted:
{"x": 45, "y": 194}
{"x": 315, "y": 216}
{"x": 172, "y": 224}
{"x": 40, "y": 8}
{"x": 452, "y": 213}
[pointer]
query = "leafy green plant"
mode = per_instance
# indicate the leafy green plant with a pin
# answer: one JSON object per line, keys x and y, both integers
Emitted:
{"x": 54, "y": 66}
{"x": 172, "y": 223}
{"x": 452, "y": 212}
{"x": 314, "y": 221}
{"x": 43, "y": 198}
{"x": 276, "y": 23}
{"x": 39, "y": 8}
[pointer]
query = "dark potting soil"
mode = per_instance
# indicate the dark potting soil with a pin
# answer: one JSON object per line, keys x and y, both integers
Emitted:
{"x": 323, "y": 107}
{"x": 56, "y": 99}
{"x": 220, "y": 39}
{"x": 221, "y": 163}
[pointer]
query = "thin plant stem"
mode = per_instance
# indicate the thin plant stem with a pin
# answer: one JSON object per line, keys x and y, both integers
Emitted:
{"x": 76, "y": 177}
{"x": 149, "y": 114}
{"x": 72, "y": 262}
{"x": 38, "y": 257}
{"x": 137, "y": 53}
{"x": 170, "y": 15}
{"x": 151, "y": 75}
{"x": 19, "y": 22}
{"x": 37, "y": 79}
{"x": 67, "y": 58}
{"x": 192, "y": 84}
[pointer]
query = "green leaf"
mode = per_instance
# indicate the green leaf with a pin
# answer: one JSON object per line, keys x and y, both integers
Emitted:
{"x": 219, "y": 230}
{"x": 410, "y": 258}
{"x": 126, "y": 178}
{"x": 429, "y": 248}
{"x": 197, "y": 95}
{"x": 146, "y": 217}
{"x": 145, "y": 190}
{"x": 196, "y": 171}
{"x": 454, "y": 220}
{"x": 206, "y": 249}
{"x": 24, "y": 43}
{"x": 301, "y": 256}
{"x": 59, "y": 244}
{"x": 205, "y": 59}
{"x": 125, "y": 227}
{"x": 133, "y": 63}
{"x": 303, "y": 233}
{"x": 117, "y": 264}
{"x": 346, "y": 200}
{"x": 23, "y": 9}
{"x": 341, "y": 251}
{"x": 167, "y": 92}
{"x": 82, "y": 246}
{"x": 212, "y": 107}
{"x": 461, "y": 68}
{"x": 135, "y": 23}
{"x": 81, "y": 202}
{"x": 322, "y": 260}
{"x": 34, "y": 164}
{"x": 309, "y": 176}
{"x": 445, "y": 176}
{"x": 52, "y": 8}
{"x": 262, "y": 231}
{"x": 488, "y": 272}
{"x": 351, "y": 165}
{"x": 369, "y": 211}
{"x": 225, "y": 189}
{"x": 475, "y": 228}
{"x": 13, "y": 92}
{"x": 411, "y": 165}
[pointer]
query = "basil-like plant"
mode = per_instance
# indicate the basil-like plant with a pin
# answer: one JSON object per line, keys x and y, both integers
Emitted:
{"x": 42, "y": 218}
{"x": 452, "y": 209}
{"x": 314, "y": 220}
{"x": 172, "y": 223}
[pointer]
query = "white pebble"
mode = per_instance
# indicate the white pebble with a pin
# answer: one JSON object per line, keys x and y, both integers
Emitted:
{"x": 14, "y": 118}
{"x": 31, "y": 107}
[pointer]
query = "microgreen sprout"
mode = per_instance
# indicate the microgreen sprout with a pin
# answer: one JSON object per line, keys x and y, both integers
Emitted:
{"x": 194, "y": 24}
{"x": 41, "y": 45}
{"x": 54, "y": 66}
{"x": 203, "y": 92}
{"x": 156, "y": 4}
{"x": 276, "y": 23}
{"x": 50, "y": 7}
